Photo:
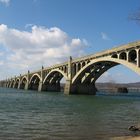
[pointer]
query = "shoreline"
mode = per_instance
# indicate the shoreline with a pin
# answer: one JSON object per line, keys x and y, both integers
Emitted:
{"x": 126, "y": 138}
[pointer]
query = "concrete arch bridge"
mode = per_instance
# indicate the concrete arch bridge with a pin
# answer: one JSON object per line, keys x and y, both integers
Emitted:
{"x": 80, "y": 74}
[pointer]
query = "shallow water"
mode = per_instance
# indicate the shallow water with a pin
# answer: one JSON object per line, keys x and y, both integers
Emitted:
{"x": 54, "y": 116}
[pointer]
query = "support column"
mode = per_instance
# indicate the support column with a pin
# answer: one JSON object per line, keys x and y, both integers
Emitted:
{"x": 27, "y": 83}
{"x": 86, "y": 89}
{"x": 127, "y": 56}
{"x": 19, "y": 82}
{"x": 14, "y": 83}
{"x": 40, "y": 86}
{"x": 41, "y": 80}
{"x": 138, "y": 58}
{"x": 67, "y": 89}
{"x": 76, "y": 68}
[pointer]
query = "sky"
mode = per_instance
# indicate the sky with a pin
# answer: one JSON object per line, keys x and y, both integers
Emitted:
{"x": 45, "y": 32}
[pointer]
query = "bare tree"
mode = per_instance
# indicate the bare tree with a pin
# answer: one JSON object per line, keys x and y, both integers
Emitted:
{"x": 135, "y": 16}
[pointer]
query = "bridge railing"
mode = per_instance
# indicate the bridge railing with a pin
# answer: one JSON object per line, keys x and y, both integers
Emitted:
{"x": 109, "y": 52}
{"x": 91, "y": 56}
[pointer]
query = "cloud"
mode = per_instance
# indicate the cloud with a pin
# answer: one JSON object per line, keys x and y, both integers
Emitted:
{"x": 1, "y": 62}
{"x": 6, "y": 2}
{"x": 29, "y": 25}
{"x": 1, "y": 53}
{"x": 40, "y": 46}
{"x": 105, "y": 36}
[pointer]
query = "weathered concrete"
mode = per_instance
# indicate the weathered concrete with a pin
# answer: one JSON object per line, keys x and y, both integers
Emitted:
{"x": 83, "y": 89}
{"x": 40, "y": 86}
{"x": 80, "y": 74}
{"x": 67, "y": 88}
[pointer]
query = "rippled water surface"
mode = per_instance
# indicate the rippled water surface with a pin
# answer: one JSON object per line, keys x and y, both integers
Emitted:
{"x": 29, "y": 115}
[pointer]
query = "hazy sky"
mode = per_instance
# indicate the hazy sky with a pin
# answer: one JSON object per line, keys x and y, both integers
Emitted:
{"x": 44, "y": 32}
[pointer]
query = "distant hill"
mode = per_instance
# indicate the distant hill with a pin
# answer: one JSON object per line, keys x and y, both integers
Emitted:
{"x": 128, "y": 85}
{"x": 115, "y": 87}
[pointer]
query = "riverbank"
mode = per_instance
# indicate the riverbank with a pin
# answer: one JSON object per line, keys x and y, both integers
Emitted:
{"x": 118, "y": 87}
{"x": 126, "y": 138}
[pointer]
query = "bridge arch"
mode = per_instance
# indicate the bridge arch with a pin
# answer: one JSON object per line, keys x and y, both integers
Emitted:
{"x": 12, "y": 83}
{"x": 115, "y": 55}
{"x": 52, "y": 73}
{"x": 123, "y": 56}
{"x": 24, "y": 78}
{"x": 113, "y": 62}
{"x": 79, "y": 66}
{"x": 34, "y": 81}
{"x": 132, "y": 56}
{"x": 17, "y": 82}
{"x": 83, "y": 63}
{"x": 23, "y": 82}
{"x": 8, "y": 84}
{"x": 52, "y": 80}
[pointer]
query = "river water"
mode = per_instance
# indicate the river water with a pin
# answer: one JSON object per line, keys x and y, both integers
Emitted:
{"x": 29, "y": 115}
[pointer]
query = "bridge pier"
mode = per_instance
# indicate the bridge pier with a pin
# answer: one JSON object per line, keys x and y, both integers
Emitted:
{"x": 33, "y": 87}
{"x": 54, "y": 88}
{"x": 18, "y": 86}
{"x": 40, "y": 86}
{"x": 67, "y": 88}
{"x": 50, "y": 87}
{"x": 26, "y": 86}
{"x": 78, "y": 88}
{"x": 87, "y": 89}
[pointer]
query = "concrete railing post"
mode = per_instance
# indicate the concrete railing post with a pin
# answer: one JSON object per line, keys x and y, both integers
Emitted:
{"x": 138, "y": 58}
{"x": 127, "y": 56}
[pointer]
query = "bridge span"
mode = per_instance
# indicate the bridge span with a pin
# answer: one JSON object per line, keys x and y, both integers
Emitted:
{"x": 80, "y": 74}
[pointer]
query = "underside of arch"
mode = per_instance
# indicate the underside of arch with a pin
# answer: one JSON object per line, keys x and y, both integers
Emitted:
{"x": 84, "y": 80}
{"x": 34, "y": 82}
{"x": 16, "y": 84}
{"x": 56, "y": 75}
{"x": 109, "y": 63}
{"x": 23, "y": 84}
{"x": 12, "y": 83}
{"x": 8, "y": 84}
{"x": 52, "y": 81}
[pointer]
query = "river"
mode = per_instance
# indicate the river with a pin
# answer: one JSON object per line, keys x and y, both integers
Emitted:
{"x": 29, "y": 115}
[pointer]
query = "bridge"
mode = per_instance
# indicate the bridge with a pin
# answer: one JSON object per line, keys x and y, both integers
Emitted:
{"x": 80, "y": 74}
